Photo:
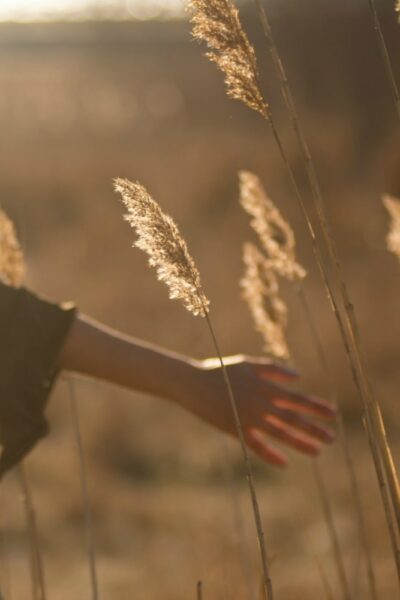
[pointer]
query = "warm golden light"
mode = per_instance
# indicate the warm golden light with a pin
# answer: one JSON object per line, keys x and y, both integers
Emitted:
{"x": 36, "y": 10}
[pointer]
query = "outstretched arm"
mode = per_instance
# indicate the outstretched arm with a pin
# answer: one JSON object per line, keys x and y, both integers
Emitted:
{"x": 266, "y": 408}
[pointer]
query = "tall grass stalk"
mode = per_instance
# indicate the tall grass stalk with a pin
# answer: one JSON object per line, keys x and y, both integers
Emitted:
{"x": 385, "y": 55}
{"x": 325, "y": 582}
{"x": 91, "y": 553}
{"x": 328, "y": 514}
{"x": 168, "y": 253}
{"x": 207, "y": 26}
{"x": 267, "y": 582}
{"x": 371, "y": 406}
{"x": 355, "y": 489}
{"x": 238, "y": 523}
{"x": 199, "y": 590}
{"x": 278, "y": 242}
{"x": 394, "y": 538}
{"x": 36, "y": 561}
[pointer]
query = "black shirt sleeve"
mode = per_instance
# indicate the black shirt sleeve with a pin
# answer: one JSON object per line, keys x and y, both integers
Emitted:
{"x": 32, "y": 333}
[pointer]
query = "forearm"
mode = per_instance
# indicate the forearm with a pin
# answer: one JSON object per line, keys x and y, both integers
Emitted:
{"x": 98, "y": 351}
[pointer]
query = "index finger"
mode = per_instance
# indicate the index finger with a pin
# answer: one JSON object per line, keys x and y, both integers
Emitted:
{"x": 303, "y": 403}
{"x": 269, "y": 371}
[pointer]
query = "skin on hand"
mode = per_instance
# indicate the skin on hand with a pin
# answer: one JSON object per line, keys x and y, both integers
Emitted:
{"x": 267, "y": 409}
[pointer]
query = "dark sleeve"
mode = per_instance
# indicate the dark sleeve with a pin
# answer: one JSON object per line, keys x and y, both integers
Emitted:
{"x": 32, "y": 333}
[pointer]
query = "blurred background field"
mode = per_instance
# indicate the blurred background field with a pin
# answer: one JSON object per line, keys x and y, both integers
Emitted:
{"x": 82, "y": 103}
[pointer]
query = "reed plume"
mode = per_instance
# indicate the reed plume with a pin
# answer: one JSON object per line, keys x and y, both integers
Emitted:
{"x": 275, "y": 234}
{"x": 12, "y": 264}
{"x": 260, "y": 289}
{"x": 217, "y": 23}
{"x": 392, "y": 205}
{"x": 279, "y": 243}
{"x": 160, "y": 238}
{"x": 347, "y": 324}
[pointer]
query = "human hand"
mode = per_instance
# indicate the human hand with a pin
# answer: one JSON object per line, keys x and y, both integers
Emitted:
{"x": 266, "y": 408}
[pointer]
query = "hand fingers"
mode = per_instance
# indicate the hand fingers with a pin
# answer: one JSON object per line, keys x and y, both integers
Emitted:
{"x": 273, "y": 372}
{"x": 256, "y": 441}
{"x": 290, "y": 437}
{"x": 302, "y": 403}
{"x": 319, "y": 432}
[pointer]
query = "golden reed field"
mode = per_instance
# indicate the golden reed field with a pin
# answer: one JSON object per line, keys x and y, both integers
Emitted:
{"x": 81, "y": 104}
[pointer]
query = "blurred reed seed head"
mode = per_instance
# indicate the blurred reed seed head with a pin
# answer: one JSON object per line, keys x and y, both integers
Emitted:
{"x": 217, "y": 23}
{"x": 12, "y": 264}
{"x": 260, "y": 289}
{"x": 392, "y": 205}
{"x": 159, "y": 237}
{"x": 275, "y": 234}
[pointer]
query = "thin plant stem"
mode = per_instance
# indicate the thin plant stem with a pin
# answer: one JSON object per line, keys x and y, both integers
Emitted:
{"x": 199, "y": 590}
{"x": 371, "y": 406}
{"x": 325, "y": 582}
{"x": 393, "y": 536}
{"x": 239, "y": 524}
{"x": 347, "y": 339}
{"x": 36, "y": 561}
{"x": 328, "y": 514}
{"x": 385, "y": 55}
{"x": 356, "y": 493}
{"x": 267, "y": 583}
{"x": 85, "y": 494}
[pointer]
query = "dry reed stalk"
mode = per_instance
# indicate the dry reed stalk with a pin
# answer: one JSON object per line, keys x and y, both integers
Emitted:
{"x": 238, "y": 522}
{"x": 278, "y": 241}
{"x": 12, "y": 271}
{"x": 36, "y": 563}
{"x": 328, "y": 514}
{"x": 199, "y": 590}
{"x": 160, "y": 238}
{"x": 356, "y": 492}
{"x": 385, "y": 54}
{"x": 274, "y": 232}
{"x": 260, "y": 289}
{"x": 392, "y": 205}
{"x": 371, "y": 406}
{"x": 394, "y": 538}
{"x": 325, "y": 582}
{"x": 349, "y": 334}
{"x": 85, "y": 494}
{"x": 217, "y": 22}
{"x": 12, "y": 264}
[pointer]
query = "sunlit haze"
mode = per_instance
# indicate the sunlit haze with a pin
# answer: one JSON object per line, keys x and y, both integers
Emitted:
{"x": 36, "y": 10}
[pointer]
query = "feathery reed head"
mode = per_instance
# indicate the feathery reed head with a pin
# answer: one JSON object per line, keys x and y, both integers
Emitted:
{"x": 261, "y": 291}
{"x": 217, "y": 23}
{"x": 159, "y": 237}
{"x": 275, "y": 234}
{"x": 12, "y": 265}
{"x": 392, "y": 205}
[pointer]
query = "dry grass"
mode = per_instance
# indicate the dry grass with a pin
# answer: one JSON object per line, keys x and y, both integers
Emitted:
{"x": 159, "y": 237}
{"x": 342, "y": 309}
{"x": 392, "y": 205}
{"x": 153, "y": 469}
{"x": 217, "y": 23}
{"x": 12, "y": 263}
{"x": 260, "y": 289}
